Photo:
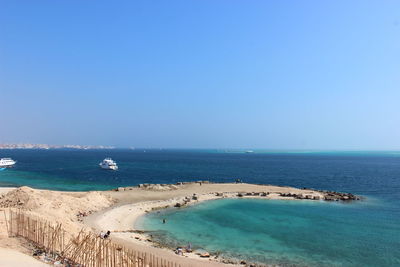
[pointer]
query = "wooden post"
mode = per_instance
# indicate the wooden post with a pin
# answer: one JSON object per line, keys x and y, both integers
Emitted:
{"x": 85, "y": 248}
{"x": 11, "y": 222}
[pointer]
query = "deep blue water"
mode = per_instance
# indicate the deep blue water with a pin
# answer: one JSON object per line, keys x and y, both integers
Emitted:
{"x": 332, "y": 234}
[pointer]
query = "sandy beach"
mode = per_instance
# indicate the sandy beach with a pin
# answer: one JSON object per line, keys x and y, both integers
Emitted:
{"x": 117, "y": 210}
{"x": 13, "y": 258}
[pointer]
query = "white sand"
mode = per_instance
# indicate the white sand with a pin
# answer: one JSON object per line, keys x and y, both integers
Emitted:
{"x": 120, "y": 219}
{"x": 13, "y": 258}
{"x": 117, "y": 211}
{"x": 4, "y": 190}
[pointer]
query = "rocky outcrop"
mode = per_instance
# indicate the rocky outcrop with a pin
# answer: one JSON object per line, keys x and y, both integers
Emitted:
{"x": 337, "y": 196}
{"x": 327, "y": 196}
{"x": 156, "y": 187}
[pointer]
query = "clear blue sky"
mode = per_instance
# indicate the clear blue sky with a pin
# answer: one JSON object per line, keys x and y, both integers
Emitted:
{"x": 201, "y": 74}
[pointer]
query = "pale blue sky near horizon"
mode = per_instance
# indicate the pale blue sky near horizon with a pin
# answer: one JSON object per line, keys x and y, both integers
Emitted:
{"x": 201, "y": 74}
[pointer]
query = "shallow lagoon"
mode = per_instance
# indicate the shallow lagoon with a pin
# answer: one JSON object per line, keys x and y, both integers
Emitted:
{"x": 284, "y": 232}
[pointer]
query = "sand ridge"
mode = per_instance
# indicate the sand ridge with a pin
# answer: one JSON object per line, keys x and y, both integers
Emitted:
{"x": 134, "y": 202}
{"x": 117, "y": 210}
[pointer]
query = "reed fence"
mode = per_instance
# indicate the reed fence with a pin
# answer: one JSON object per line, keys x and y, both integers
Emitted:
{"x": 84, "y": 249}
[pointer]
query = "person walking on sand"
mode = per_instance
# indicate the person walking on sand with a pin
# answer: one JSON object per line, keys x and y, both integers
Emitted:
{"x": 189, "y": 247}
{"x": 107, "y": 234}
{"x": 102, "y": 234}
{"x": 180, "y": 251}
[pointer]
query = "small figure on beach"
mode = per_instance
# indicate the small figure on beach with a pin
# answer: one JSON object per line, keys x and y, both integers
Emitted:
{"x": 179, "y": 251}
{"x": 189, "y": 248}
{"x": 205, "y": 255}
{"x": 105, "y": 235}
{"x": 164, "y": 220}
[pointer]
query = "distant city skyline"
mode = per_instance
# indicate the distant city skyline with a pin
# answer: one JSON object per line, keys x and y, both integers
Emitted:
{"x": 50, "y": 146}
{"x": 201, "y": 74}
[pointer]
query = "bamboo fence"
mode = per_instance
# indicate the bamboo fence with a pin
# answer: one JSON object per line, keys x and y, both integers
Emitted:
{"x": 84, "y": 249}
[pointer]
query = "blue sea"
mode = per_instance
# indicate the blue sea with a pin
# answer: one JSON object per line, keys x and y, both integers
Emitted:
{"x": 288, "y": 233}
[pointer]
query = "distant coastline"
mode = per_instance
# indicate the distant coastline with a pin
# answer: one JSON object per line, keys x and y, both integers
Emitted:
{"x": 46, "y": 146}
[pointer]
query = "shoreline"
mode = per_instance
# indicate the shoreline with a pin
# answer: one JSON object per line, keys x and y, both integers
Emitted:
{"x": 122, "y": 220}
{"x": 118, "y": 210}
{"x": 127, "y": 216}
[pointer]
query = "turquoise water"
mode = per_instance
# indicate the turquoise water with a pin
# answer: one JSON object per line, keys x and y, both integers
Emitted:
{"x": 284, "y": 232}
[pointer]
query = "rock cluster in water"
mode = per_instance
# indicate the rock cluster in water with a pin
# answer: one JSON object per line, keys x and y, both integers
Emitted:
{"x": 336, "y": 196}
{"x": 327, "y": 196}
{"x": 300, "y": 196}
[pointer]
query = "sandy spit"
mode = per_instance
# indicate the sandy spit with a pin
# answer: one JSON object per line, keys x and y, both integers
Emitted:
{"x": 134, "y": 202}
{"x": 118, "y": 210}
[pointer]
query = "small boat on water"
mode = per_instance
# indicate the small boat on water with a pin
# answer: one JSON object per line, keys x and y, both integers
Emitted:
{"x": 108, "y": 164}
{"x": 7, "y": 162}
{"x": 249, "y": 151}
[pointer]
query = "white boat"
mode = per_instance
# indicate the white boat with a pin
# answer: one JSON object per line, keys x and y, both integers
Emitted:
{"x": 7, "y": 162}
{"x": 249, "y": 151}
{"x": 108, "y": 164}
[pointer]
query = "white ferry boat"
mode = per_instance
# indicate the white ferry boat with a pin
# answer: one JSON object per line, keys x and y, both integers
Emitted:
{"x": 108, "y": 164}
{"x": 7, "y": 162}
